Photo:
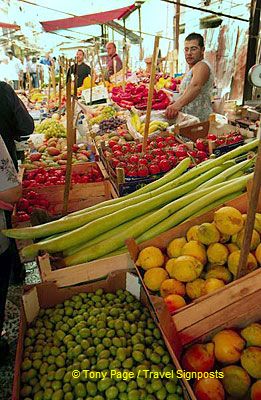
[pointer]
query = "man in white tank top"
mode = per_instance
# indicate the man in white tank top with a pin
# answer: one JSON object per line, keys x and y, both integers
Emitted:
{"x": 197, "y": 84}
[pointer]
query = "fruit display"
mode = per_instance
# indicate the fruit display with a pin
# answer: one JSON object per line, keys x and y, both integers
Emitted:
{"x": 26, "y": 205}
{"x": 110, "y": 124}
{"x": 162, "y": 154}
{"x": 144, "y": 214}
{"x": 202, "y": 261}
{"x": 110, "y": 339}
{"x": 53, "y": 153}
{"x": 167, "y": 82}
{"x": 154, "y": 126}
{"x": 41, "y": 177}
{"x": 137, "y": 96}
{"x": 51, "y": 128}
{"x": 236, "y": 354}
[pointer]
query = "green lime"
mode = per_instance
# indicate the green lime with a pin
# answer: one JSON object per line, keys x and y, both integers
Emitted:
{"x": 165, "y": 359}
{"x": 99, "y": 348}
{"x": 139, "y": 347}
{"x": 26, "y": 364}
{"x": 91, "y": 388}
{"x": 122, "y": 386}
{"x": 115, "y": 364}
{"x": 85, "y": 364}
{"x": 116, "y": 342}
{"x": 123, "y": 396}
{"x": 141, "y": 382}
{"x": 48, "y": 394}
{"x": 104, "y": 354}
{"x": 67, "y": 388}
{"x": 68, "y": 396}
{"x": 156, "y": 384}
{"x": 104, "y": 384}
{"x": 111, "y": 393}
{"x": 60, "y": 334}
{"x": 80, "y": 390}
{"x": 155, "y": 358}
{"x": 171, "y": 387}
{"x": 91, "y": 351}
{"x": 138, "y": 356}
{"x": 107, "y": 342}
{"x": 121, "y": 354}
{"x": 134, "y": 395}
{"x": 26, "y": 391}
{"x": 56, "y": 385}
{"x": 85, "y": 333}
{"x": 59, "y": 374}
{"x": 128, "y": 363}
{"x": 102, "y": 364}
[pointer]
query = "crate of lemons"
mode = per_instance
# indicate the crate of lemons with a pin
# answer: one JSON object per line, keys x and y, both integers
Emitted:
{"x": 201, "y": 262}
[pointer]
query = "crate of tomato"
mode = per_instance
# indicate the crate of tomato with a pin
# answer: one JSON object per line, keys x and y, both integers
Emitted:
{"x": 130, "y": 169}
{"x": 89, "y": 185}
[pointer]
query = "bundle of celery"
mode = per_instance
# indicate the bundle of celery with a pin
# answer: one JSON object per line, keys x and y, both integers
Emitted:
{"x": 102, "y": 229}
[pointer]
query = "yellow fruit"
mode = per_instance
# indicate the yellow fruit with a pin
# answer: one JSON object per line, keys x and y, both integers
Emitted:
{"x": 217, "y": 253}
{"x": 172, "y": 286}
{"x": 232, "y": 247}
{"x": 208, "y": 233}
{"x": 233, "y": 261}
{"x": 194, "y": 289}
{"x": 219, "y": 272}
{"x": 184, "y": 268}
{"x": 236, "y": 381}
{"x": 228, "y": 346}
{"x": 228, "y": 220}
{"x": 251, "y": 361}
{"x": 195, "y": 249}
{"x": 175, "y": 246}
{"x": 224, "y": 238}
{"x": 252, "y": 334}
{"x": 154, "y": 277}
{"x": 192, "y": 233}
{"x": 150, "y": 257}
{"x": 255, "y": 240}
{"x": 258, "y": 254}
{"x": 212, "y": 284}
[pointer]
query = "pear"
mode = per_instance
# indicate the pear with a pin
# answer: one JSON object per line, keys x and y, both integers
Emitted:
{"x": 252, "y": 334}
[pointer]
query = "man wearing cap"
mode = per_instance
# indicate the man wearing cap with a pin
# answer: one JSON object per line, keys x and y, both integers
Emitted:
{"x": 15, "y": 69}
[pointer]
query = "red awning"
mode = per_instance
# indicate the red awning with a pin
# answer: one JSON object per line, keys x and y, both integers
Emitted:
{"x": 90, "y": 19}
{"x": 9, "y": 26}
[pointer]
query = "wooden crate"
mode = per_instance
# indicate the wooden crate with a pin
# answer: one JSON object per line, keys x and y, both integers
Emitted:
{"x": 47, "y": 295}
{"x": 163, "y": 240}
{"x": 82, "y": 272}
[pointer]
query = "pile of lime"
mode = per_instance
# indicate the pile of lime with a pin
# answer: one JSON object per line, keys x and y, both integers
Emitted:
{"x": 97, "y": 332}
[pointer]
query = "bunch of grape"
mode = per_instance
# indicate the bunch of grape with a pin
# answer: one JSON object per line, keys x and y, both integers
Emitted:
{"x": 111, "y": 124}
{"x": 106, "y": 113}
{"x": 51, "y": 128}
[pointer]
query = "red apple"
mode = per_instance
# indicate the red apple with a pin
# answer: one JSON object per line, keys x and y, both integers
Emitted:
{"x": 199, "y": 357}
{"x": 209, "y": 389}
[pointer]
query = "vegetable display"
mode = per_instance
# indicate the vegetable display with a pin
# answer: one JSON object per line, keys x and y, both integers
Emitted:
{"x": 137, "y": 96}
{"x": 170, "y": 200}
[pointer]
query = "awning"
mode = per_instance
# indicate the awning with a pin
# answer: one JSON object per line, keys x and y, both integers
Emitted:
{"x": 90, "y": 19}
{"x": 9, "y": 26}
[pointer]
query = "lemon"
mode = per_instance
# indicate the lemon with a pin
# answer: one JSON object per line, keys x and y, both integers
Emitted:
{"x": 154, "y": 277}
{"x": 150, "y": 257}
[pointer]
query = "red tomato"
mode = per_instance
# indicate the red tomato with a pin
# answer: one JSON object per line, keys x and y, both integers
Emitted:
{"x": 143, "y": 171}
{"x": 165, "y": 165}
{"x": 143, "y": 161}
{"x": 134, "y": 159}
{"x": 154, "y": 169}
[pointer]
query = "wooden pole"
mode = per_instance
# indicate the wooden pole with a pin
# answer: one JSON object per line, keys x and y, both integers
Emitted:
{"x": 176, "y": 30}
{"x": 49, "y": 93}
{"x": 167, "y": 59}
{"x": 251, "y": 212}
{"x": 69, "y": 128}
{"x": 140, "y": 28}
{"x": 100, "y": 64}
{"x": 124, "y": 67}
{"x": 53, "y": 80}
{"x": 60, "y": 92}
{"x": 151, "y": 89}
{"x": 92, "y": 75}
{"x": 74, "y": 97}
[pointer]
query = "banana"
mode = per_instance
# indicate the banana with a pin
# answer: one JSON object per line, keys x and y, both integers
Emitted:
{"x": 135, "y": 121}
{"x": 142, "y": 127}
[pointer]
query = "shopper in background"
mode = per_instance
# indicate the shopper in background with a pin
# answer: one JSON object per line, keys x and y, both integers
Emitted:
{"x": 15, "y": 69}
{"x": 83, "y": 70}
{"x": 114, "y": 63}
{"x": 197, "y": 84}
{"x": 45, "y": 64}
{"x": 4, "y": 70}
{"x": 34, "y": 72}
{"x": 26, "y": 63}
{"x": 10, "y": 191}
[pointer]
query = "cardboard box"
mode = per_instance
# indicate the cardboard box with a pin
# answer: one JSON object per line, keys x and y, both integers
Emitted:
{"x": 47, "y": 295}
